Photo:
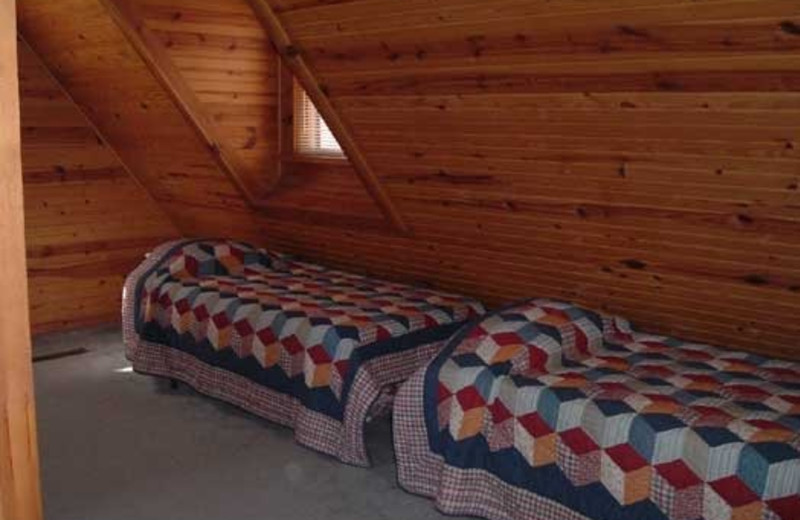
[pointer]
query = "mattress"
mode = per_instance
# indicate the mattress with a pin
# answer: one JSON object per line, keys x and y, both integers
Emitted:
{"x": 303, "y": 345}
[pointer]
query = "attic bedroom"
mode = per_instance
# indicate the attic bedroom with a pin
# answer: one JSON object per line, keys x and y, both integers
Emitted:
{"x": 343, "y": 259}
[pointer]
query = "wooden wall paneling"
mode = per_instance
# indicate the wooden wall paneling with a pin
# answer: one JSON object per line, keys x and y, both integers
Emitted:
{"x": 83, "y": 46}
{"x": 226, "y": 58}
{"x": 317, "y": 92}
{"x": 253, "y": 185}
{"x": 639, "y": 157}
{"x": 20, "y": 494}
{"x": 208, "y": 42}
{"x": 56, "y": 108}
{"x": 223, "y": 53}
{"x": 751, "y": 314}
{"x": 87, "y": 221}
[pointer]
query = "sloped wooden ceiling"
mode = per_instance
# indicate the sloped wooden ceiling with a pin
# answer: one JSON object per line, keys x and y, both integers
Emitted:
{"x": 226, "y": 58}
{"x": 87, "y": 222}
{"x": 87, "y": 51}
{"x": 639, "y": 157}
{"x": 89, "y": 55}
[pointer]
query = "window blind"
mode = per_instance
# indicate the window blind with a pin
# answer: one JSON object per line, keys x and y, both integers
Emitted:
{"x": 312, "y": 135}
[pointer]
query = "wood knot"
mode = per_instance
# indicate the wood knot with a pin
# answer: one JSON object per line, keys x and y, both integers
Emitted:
{"x": 790, "y": 27}
{"x": 627, "y": 30}
{"x": 633, "y": 263}
{"x": 756, "y": 279}
{"x": 668, "y": 85}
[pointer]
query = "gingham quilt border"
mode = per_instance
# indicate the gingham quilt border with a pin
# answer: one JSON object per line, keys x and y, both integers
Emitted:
{"x": 472, "y": 492}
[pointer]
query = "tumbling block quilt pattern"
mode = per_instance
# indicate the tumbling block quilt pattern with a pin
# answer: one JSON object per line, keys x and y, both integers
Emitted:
{"x": 297, "y": 328}
{"x": 561, "y": 403}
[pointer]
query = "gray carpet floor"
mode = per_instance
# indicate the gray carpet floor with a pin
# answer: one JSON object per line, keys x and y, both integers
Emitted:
{"x": 120, "y": 446}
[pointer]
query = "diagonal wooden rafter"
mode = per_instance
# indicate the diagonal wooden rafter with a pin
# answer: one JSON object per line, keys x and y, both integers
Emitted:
{"x": 155, "y": 56}
{"x": 305, "y": 75}
{"x": 64, "y": 92}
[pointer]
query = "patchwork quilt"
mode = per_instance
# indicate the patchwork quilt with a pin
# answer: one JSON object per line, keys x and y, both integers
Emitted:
{"x": 306, "y": 346}
{"x": 547, "y": 411}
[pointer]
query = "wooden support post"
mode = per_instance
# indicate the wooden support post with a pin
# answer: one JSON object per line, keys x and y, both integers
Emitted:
{"x": 20, "y": 496}
{"x": 295, "y": 61}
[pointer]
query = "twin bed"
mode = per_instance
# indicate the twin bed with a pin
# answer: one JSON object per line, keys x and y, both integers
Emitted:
{"x": 305, "y": 346}
{"x": 547, "y": 411}
{"x": 540, "y": 410}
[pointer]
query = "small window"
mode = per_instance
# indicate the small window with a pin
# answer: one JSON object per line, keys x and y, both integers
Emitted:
{"x": 312, "y": 137}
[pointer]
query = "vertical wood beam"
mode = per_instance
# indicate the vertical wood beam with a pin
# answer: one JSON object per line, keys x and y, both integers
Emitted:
{"x": 298, "y": 65}
{"x": 285, "y": 115}
{"x": 20, "y": 495}
{"x": 155, "y": 56}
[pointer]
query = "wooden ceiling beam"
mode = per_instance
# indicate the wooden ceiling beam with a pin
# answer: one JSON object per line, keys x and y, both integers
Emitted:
{"x": 155, "y": 56}
{"x": 305, "y": 75}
